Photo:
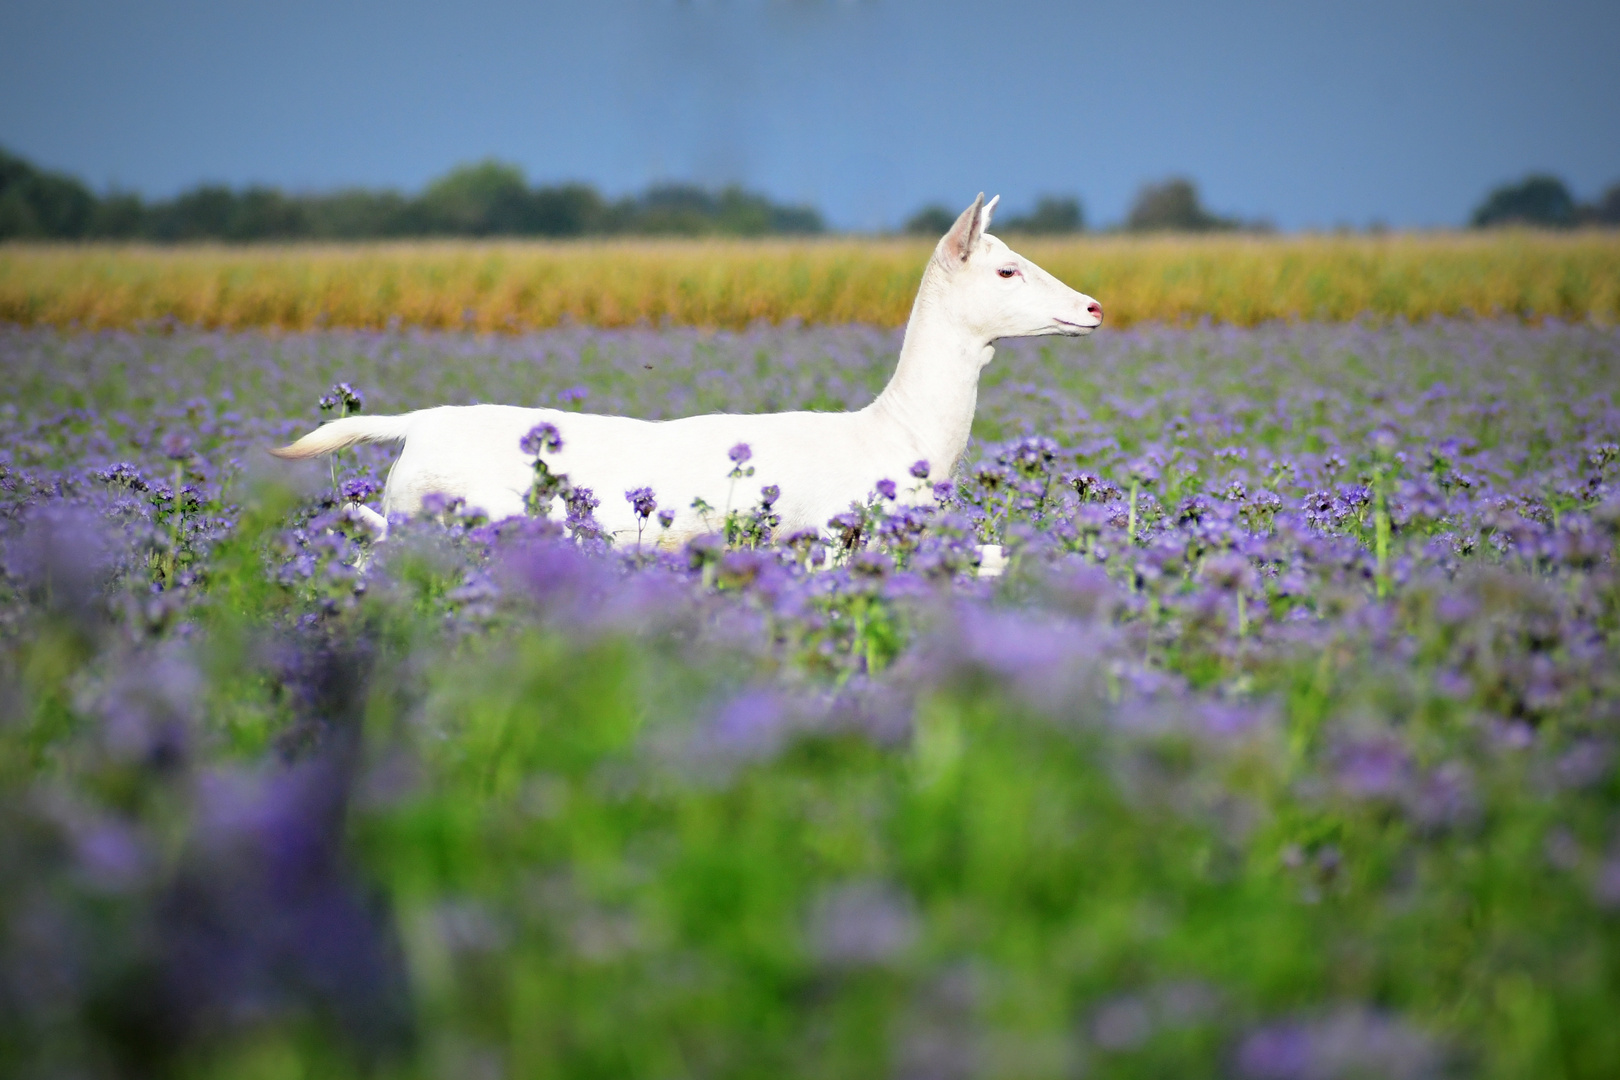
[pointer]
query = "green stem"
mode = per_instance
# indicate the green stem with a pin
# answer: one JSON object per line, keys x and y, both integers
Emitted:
{"x": 171, "y": 558}
{"x": 1130, "y": 525}
{"x": 863, "y": 635}
{"x": 727, "y": 525}
{"x": 343, "y": 410}
{"x": 1381, "y": 532}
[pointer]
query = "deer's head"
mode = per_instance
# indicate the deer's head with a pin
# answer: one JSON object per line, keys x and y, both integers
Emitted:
{"x": 992, "y": 292}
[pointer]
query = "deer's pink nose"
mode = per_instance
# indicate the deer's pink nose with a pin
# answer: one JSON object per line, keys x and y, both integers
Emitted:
{"x": 1094, "y": 308}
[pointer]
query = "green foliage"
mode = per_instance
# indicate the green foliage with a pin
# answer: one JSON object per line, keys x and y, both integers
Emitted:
{"x": 931, "y": 221}
{"x": 39, "y": 205}
{"x": 1543, "y": 201}
{"x": 1173, "y": 205}
{"x": 487, "y": 198}
{"x": 1535, "y": 200}
{"x": 1607, "y": 209}
{"x": 686, "y": 210}
{"x": 1053, "y": 215}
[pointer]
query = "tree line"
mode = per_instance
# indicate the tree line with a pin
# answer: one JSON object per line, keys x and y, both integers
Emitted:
{"x": 492, "y": 198}
{"x": 1546, "y": 201}
{"x": 489, "y": 198}
{"x": 1171, "y": 205}
{"x": 1174, "y": 205}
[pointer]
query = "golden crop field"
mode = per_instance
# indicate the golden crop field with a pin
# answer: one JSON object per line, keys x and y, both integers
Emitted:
{"x": 509, "y": 285}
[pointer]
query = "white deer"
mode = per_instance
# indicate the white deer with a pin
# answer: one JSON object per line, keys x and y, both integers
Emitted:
{"x": 974, "y": 291}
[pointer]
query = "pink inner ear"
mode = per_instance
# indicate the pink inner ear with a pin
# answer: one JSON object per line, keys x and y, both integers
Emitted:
{"x": 966, "y": 230}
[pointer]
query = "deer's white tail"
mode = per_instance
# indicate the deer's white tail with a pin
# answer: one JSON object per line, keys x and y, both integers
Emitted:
{"x": 347, "y": 432}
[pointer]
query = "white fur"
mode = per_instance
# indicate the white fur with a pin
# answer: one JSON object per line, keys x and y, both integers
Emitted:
{"x": 821, "y": 461}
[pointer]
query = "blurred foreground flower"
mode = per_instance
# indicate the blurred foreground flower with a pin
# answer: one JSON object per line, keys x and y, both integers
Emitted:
{"x": 861, "y": 923}
{"x": 1351, "y": 1044}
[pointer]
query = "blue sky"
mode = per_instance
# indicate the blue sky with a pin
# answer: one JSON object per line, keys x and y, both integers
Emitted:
{"x": 1308, "y": 114}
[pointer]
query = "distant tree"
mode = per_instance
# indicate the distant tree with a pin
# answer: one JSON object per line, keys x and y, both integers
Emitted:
{"x": 118, "y": 216}
{"x": 263, "y": 213}
{"x": 486, "y": 198}
{"x": 216, "y": 212}
{"x": 931, "y": 220}
{"x": 1172, "y": 204}
{"x": 359, "y": 214}
{"x": 797, "y": 220}
{"x": 690, "y": 210}
{"x": 1536, "y": 200}
{"x": 1053, "y": 215}
{"x": 668, "y": 209}
{"x": 203, "y": 213}
{"x": 739, "y": 213}
{"x": 568, "y": 210}
{"x": 1606, "y": 211}
{"x": 35, "y": 204}
{"x": 742, "y": 213}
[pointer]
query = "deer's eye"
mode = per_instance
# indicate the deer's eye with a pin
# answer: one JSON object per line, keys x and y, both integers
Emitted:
{"x": 1008, "y": 271}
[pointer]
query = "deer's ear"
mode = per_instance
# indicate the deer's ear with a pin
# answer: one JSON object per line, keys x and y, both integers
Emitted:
{"x": 964, "y": 235}
{"x": 984, "y": 215}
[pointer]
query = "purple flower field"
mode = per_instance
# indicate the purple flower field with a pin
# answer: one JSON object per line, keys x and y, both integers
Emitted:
{"x": 1285, "y": 746}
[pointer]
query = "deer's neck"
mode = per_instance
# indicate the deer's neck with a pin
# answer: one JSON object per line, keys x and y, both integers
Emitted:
{"x": 929, "y": 402}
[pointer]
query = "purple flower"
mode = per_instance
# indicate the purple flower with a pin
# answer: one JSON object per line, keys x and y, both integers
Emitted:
{"x": 437, "y": 504}
{"x": 147, "y": 711}
{"x": 1345, "y": 1045}
{"x": 1230, "y": 573}
{"x": 740, "y": 454}
{"x": 113, "y": 854}
{"x": 861, "y": 923}
{"x": 360, "y": 489}
{"x": 1093, "y": 488}
{"x": 269, "y": 915}
{"x": 342, "y": 394}
{"x": 1583, "y": 764}
{"x": 751, "y": 726}
{"x": 581, "y": 503}
{"x": 846, "y": 522}
{"x": 642, "y": 502}
{"x": 1122, "y": 1024}
{"x": 1446, "y": 797}
{"x": 1606, "y": 887}
{"x": 176, "y": 446}
{"x": 872, "y": 565}
{"x": 919, "y": 469}
{"x": 64, "y": 556}
{"x": 123, "y": 474}
{"x": 1278, "y": 1052}
{"x": 1374, "y": 768}
{"x": 886, "y": 489}
{"x": 541, "y": 437}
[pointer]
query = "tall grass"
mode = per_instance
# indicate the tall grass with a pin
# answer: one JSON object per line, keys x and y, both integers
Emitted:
{"x": 520, "y": 286}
